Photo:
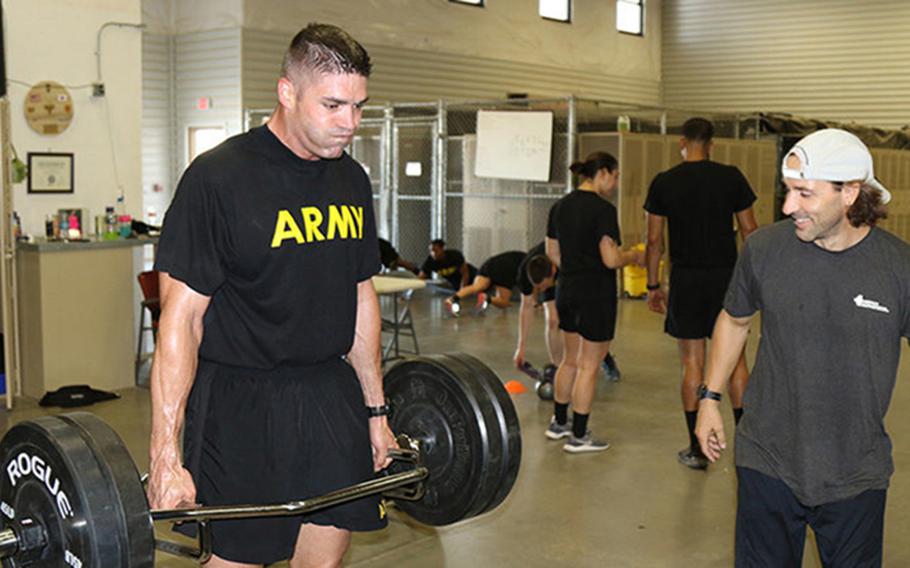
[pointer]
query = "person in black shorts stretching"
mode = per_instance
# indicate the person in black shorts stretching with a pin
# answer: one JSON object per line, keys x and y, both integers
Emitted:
{"x": 448, "y": 264}
{"x": 392, "y": 260}
{"x": 537, "y": 277}
{"x": 698, "y": 200}
{"x": 583, "y": 240}
{"x": 268, "y": 350}
{"x": 498, "y": 272}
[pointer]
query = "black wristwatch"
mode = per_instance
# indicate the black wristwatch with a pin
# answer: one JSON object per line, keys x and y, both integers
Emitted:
{"x": 374, "y": 411}
{"x": 651, "y": 287}
{"x": 704, "y": 393}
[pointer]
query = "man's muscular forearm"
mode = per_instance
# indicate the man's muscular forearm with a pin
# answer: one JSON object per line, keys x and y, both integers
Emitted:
{"x": 365, "y": 358}
{"x": 364, "y": 355}
{"x": 172, "y": 375}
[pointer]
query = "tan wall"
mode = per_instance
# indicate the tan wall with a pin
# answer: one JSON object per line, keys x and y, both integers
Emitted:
{"x": 892, "y": 168}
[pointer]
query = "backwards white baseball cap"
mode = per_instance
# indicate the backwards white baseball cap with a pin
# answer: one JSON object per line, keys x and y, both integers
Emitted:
{"x": 833, "y": 155}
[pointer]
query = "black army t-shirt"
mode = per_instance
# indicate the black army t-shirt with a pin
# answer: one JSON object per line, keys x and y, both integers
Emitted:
{"x": 279, "y": 244}
{"x": 502, "y": 268}
{"x": 699, "y": 200}
{"x": 579, "y": 221}
{"x": 449, "y": 267}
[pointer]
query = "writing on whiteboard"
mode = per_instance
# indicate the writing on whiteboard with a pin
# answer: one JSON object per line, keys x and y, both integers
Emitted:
{"x": 514, "y": 144}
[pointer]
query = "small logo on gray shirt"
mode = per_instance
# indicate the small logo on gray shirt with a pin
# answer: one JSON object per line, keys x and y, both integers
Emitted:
{"x": 869, "y": 304}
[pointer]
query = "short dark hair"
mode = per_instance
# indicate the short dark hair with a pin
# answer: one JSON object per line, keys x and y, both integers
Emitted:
{"x": 868, "y": 208}
{"x": 539, "y": 267}
{"x": 438, "y": 242}
{"x": 325, "y": 48}
{"x": 698, "y": 129}
{"x": 593, "y": 164}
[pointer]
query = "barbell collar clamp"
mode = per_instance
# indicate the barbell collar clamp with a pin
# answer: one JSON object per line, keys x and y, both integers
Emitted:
{"x": 23, "y": 537}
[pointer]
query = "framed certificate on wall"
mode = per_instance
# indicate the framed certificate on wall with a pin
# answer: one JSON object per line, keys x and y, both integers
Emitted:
{"x": 50, "y": 172}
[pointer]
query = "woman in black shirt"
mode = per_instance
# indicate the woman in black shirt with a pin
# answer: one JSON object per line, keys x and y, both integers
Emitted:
{"x": 583, "y": 240}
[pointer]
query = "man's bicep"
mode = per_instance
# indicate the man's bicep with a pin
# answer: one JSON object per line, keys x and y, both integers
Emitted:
{"x": 743, "y": 296}
{"x": 735, "y": 321}
{"x": 180, "y": 301}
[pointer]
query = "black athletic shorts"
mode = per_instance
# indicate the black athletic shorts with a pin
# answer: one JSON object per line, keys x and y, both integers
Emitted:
{"x": 265, "y": 437}
{"x": 589, "y": 312}
{"x": 696, "y": 298}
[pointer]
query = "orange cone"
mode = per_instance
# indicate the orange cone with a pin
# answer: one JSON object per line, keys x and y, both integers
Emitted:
{"x": 515, "y": 387}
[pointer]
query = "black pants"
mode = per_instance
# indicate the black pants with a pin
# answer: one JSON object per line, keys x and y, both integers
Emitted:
{"x": 771, "y": 526}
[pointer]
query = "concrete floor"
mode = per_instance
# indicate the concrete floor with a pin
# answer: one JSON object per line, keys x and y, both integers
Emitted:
{"x": 632, "y": 505}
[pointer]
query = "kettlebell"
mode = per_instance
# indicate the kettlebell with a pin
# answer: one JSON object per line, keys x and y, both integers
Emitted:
{"x": 545, "y": 390}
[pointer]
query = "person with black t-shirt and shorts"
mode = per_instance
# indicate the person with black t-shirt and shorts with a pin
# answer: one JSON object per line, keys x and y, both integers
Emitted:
{"x": 499, "y": 272}
{"x": 448, "y": 264}
{"x": 537, "y": 284}
{"x": 698, "y": 200}
{"x": 268, "y": 350}
{"x": 537, "y": 276}
{"x": 583, "y": 240}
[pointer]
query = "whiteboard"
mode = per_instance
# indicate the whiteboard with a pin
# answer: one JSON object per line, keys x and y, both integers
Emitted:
{"x": 514, "y": 144}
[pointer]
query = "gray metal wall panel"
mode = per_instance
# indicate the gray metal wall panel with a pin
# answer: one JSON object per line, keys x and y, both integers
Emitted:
{"x": 157, "y": 125}
{"x": 830, "y": 59}
{"x": 402, "y": 74}
{"x": 208, "y": 65}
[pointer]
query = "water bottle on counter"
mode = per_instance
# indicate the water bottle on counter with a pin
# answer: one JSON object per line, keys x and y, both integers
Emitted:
{"x": 111, "y": 228}
{"x": 126, "y": 226}
{"x": 64, "y": 226}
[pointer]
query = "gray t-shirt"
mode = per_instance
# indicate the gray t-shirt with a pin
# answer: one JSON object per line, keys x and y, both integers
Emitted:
{"x": 831, "y": 324}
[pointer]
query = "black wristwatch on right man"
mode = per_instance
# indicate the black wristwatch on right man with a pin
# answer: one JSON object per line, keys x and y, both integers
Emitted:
{"x": 704, "y": 393}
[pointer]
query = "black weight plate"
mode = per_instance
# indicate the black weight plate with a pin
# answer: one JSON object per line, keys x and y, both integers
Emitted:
{"x": 495, "y": 459}
{"x": 51, "y": 475}
{"x": 135, "y": 522}
{"x": 430, "y": 404}
{"x": 509, "y": 426}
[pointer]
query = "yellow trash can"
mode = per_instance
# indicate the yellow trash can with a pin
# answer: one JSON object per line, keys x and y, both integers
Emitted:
{"x": 635, "y": 278}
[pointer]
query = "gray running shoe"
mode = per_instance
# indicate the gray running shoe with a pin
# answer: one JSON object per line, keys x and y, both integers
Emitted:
{"x": 611, "y": 371}
{"x": 556, "y": 431}
{"x": 586, "y": 444}
{"x": 692, "y": 458}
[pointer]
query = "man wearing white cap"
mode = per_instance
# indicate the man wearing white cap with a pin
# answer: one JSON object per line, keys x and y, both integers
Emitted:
{"x": 811, "y": 448}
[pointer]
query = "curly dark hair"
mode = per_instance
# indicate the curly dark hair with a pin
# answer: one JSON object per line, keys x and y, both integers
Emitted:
{"x": 868, "y": 208}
